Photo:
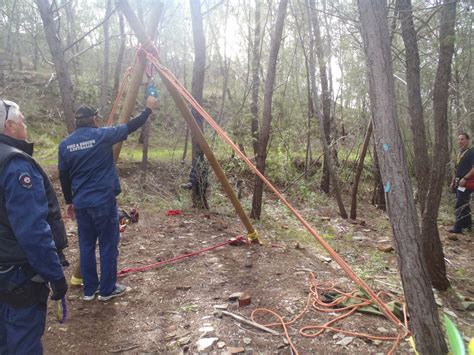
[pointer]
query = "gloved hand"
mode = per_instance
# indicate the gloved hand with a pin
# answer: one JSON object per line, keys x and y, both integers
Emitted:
{"x": 59, "y": 288}
{"x": 62, "y": 259}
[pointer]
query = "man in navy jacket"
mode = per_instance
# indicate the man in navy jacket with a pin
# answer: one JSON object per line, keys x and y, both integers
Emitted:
{"x": 90, "y": 185}
{"x": 28, "y": 256}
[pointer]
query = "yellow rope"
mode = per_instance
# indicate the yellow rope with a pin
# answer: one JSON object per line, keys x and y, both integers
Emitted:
{"x": 253, "y": 237}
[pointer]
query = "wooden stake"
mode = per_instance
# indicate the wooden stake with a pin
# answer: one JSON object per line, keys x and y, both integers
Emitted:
{"x": 140, "y": 65}
{"x": 188, "y": 117}
{"x": 249, "y": 322}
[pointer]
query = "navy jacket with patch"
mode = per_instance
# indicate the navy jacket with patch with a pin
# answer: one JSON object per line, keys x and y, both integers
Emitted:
{"x": 25, "y": 235}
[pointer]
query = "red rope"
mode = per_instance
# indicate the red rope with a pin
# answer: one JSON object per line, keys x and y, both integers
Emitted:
{"x": 188, "y": 255}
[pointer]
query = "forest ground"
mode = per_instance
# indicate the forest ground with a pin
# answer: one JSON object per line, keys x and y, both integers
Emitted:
{"x": 170, "y": 309}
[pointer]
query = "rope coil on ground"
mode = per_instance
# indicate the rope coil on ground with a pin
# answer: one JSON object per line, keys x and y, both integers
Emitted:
{"x": 314, "y": 302}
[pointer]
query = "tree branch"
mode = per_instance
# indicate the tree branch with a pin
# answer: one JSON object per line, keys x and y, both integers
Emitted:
{"x": 88, "y": 32}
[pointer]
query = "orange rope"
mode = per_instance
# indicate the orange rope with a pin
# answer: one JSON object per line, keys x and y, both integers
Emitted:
{"x": 403, "y": 329}
{"x": 190, "y": 99}
{"x": 314, "y": 302}
{"x": 123, "y": 84}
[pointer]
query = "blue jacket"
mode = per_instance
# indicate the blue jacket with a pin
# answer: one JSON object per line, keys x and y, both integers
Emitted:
{"x": 87, "y": 156}
{"x": 24, "y": 210}
{"x": 86, "y": 163}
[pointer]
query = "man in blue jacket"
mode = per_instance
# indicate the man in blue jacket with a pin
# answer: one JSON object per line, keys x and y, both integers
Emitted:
{"x": 90, "y": 185}
{"x": 28, "y": 256}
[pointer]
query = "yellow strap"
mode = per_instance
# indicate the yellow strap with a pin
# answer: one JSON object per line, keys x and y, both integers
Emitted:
{"x": 253, "y": 237}
{"x": 59, "y": 310}
{"x": 412, "y": 343}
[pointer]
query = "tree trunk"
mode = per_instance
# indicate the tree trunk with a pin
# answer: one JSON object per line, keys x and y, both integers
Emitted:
{"x": 403, "y": 217}
{"x": 118, "y": 65}
{"x": 9, "y": 46}
{"x": 378, "y": 196}
{"x": 308, "y": 58}
{"x": 360, "y": 167}
{"x": 60, "y": 64}
{"x": 415, "y": 105}
{"x": 105, "y": 67}
{"x": 146, "y": 138}
{"x": 433, "y": 250}
{"x": 264, "y": 135}
{"x": 255, "y": 78}
{"x": 71, "y": 36}
{"x": 325, "y": 95}
{"x": 322, "y": 116}
{"x": 199, "y": 169}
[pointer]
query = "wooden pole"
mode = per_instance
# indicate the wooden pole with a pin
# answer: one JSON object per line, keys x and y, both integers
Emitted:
{"x": 140, "y": 65}
{"x": 199, "y": 137}
{"x": 137, "y": 27}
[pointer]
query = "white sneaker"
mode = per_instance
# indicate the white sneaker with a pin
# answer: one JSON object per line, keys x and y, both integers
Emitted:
{"x": 90, "y": 298}
{"x": 119, "y": 291}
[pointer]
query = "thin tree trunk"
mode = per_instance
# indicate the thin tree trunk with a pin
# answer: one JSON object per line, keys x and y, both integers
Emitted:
{"x": 360, "y": 167}
{"x": 145, "y": 132}
{"x": 255, "y": 77}
{"x": 323, "y": 116}
{"x": 71, "y": 36}
{"x": 60, "y": 64}
{"x": 310, "y": 108}
{"x": 264, "y": 135}
{"x": 325, "y": 95}
{"x": 118, "y": 65}
{"x": 9, "y": 46}
{"x": 415, "y": 105}
{"x": 378, "y": 195}
{"x": 105, "y": 67}
{"x": 185, "y": 148}
{"x": 401, "y": 207}
{"x": 199, "y": 169}
{"x": 146, "y": 138}
{"x": 186, "y": 139}
{"x": 433, "y": 250}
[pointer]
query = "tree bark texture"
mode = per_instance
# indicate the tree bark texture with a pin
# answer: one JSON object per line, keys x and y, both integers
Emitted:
{"x": 255, "y": 78}
{"x": 325, "y": 94}
{"x": 378, "y": 196}
{"x": 314, "y": 27}
{"x": 199, "y": 169}
{"x": 415, "y": 105}
{"x": 118, "y": 66}
{"x": 264, "y": 134}
{"x": 401, "y": 208}
{"x": 104, "y": 95}
{"x": 71, "y": 36}
{"x": 60, "y": 64}
{"x": 433, "y": 250}
{"x": 358, "y": 173}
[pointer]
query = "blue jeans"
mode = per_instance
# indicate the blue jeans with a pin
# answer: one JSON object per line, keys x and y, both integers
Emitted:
{"x": 21, "y": 329}
{"x": 100, "y": 223}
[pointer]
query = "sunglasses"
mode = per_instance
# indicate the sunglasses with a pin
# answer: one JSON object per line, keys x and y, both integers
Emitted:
{"x": 7, "y": 109}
